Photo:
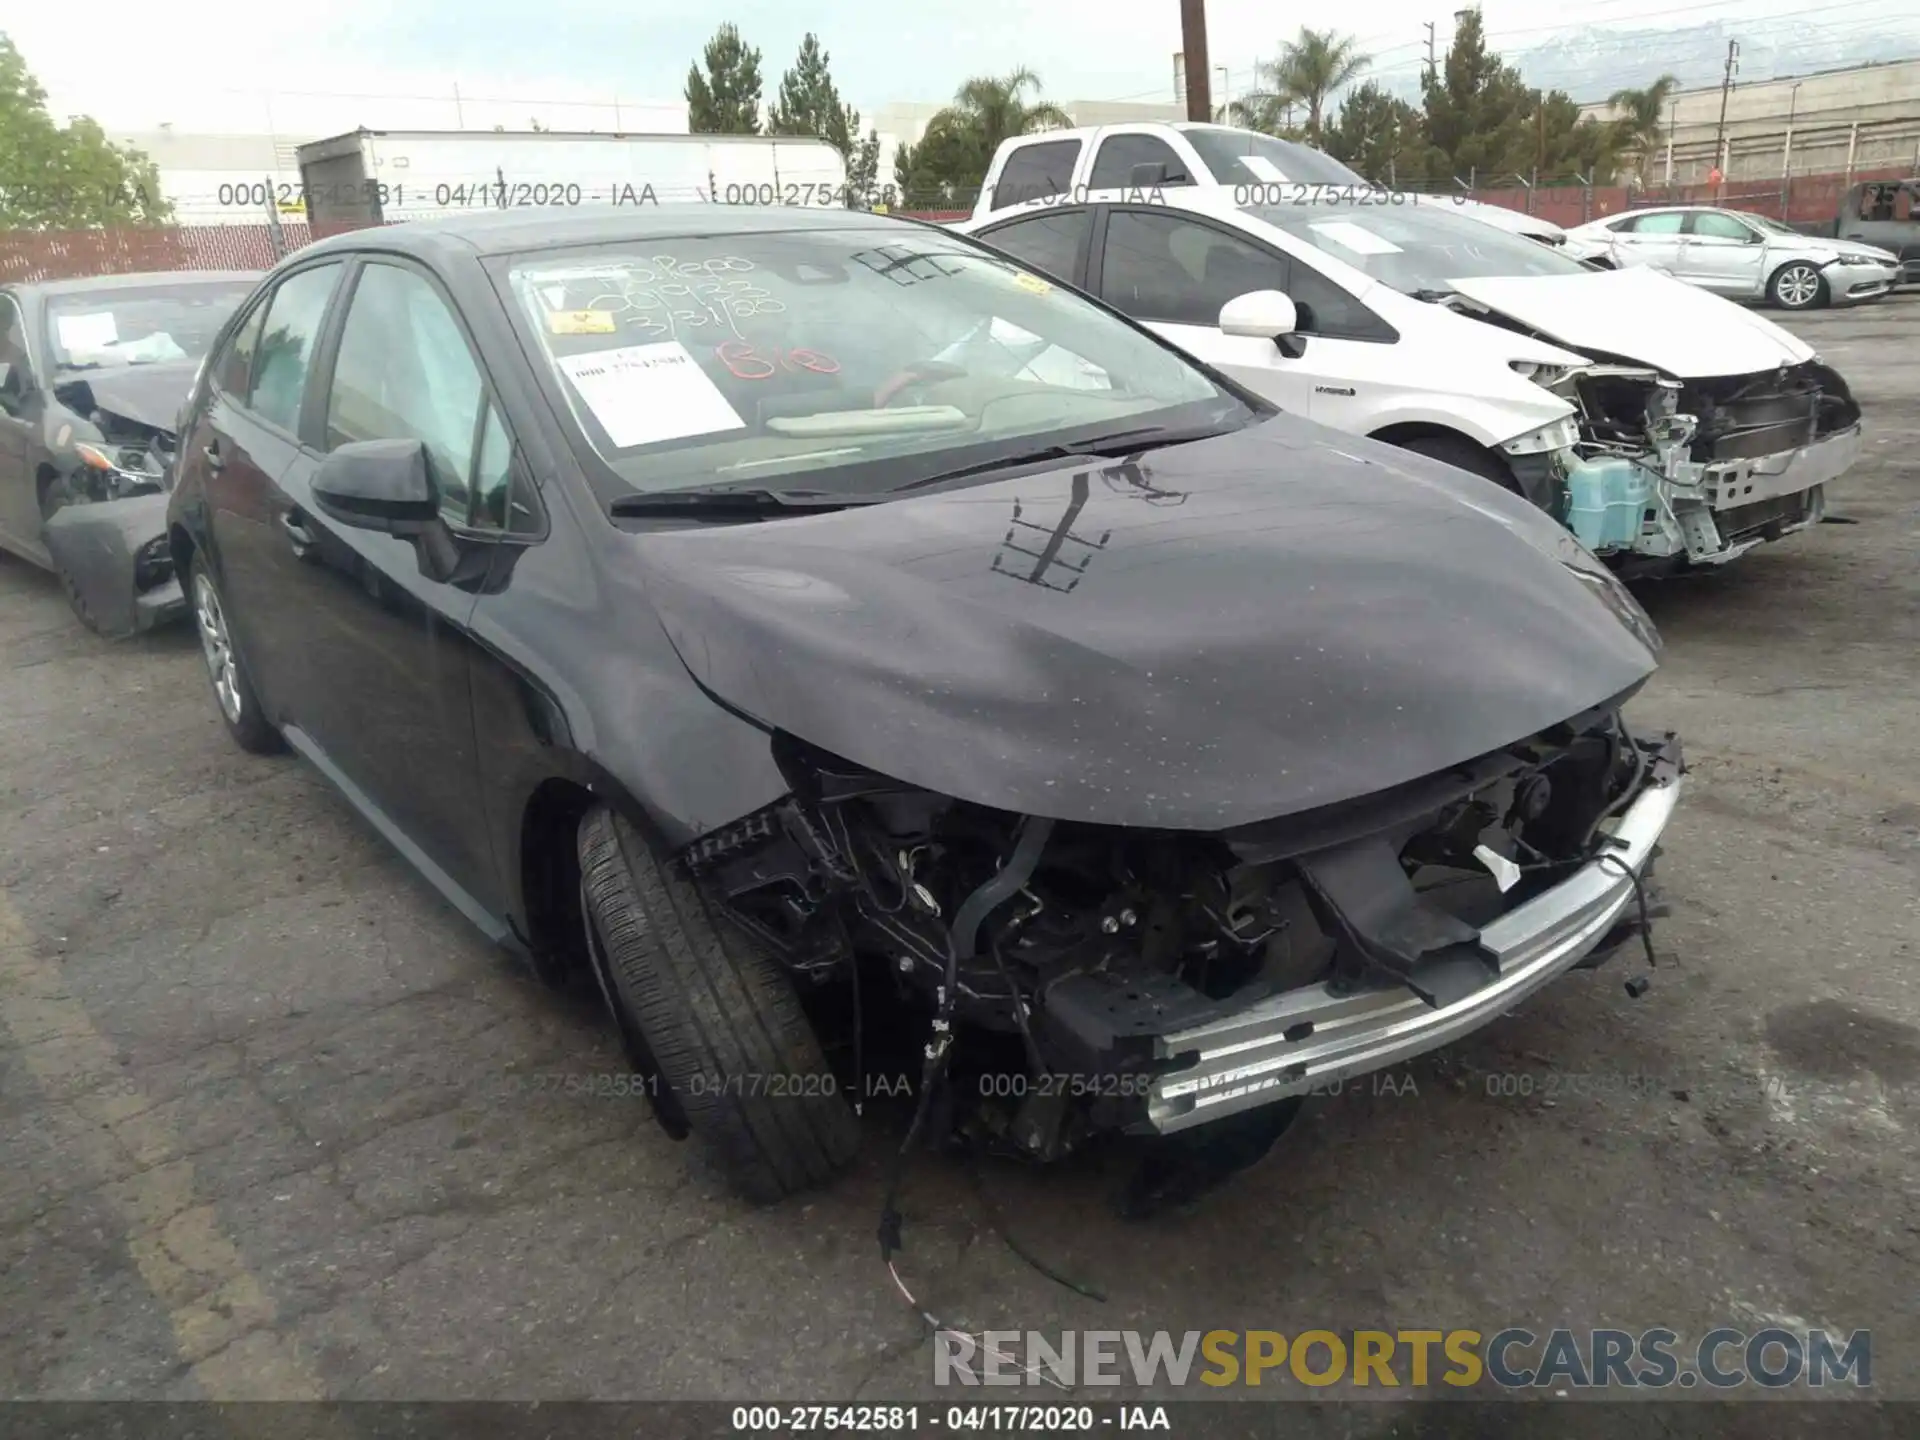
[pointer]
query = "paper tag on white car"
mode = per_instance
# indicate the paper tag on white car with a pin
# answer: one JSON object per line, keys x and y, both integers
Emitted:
{"x": 642, "y": 394}
{"x": 1357, "y": 238}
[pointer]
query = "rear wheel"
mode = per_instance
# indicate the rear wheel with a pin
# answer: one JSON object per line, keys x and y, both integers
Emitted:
{"x": 1798, "y": 286}
{"x": 232, "y": 692}
{"x": 715, "y": 1017}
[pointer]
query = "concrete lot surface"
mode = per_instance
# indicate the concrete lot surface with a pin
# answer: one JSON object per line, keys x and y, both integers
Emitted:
{"x": 275, "y": 1123}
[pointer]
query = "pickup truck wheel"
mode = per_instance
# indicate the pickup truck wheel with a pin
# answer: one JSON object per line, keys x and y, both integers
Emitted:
{"x": 1797, "y": 286}
{"x": 719, "y": 1019}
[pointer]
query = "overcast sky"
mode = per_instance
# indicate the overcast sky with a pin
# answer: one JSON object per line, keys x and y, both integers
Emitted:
{"x": 245, "y": 66}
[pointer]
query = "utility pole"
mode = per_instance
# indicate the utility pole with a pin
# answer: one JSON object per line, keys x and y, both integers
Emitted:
{"x": 1433, "y": 63}
{"x": 1726, "y": 86}
{"x": 1193, "y": 46}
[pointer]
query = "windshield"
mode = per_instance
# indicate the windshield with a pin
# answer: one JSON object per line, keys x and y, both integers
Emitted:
{"x": 1246, "y": 157}
{"x": 140, "y": 327}
{"x": 862, "y": 358}
{"x": 1415, "y": 248}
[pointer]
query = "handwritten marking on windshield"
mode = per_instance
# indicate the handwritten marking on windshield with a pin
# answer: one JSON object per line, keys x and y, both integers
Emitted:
{"x": 668, "y": 298}
{"x": 746, "y": 361}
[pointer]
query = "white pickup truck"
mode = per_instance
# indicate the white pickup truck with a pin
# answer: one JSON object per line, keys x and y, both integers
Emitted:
{"x": 1664, "y": 426}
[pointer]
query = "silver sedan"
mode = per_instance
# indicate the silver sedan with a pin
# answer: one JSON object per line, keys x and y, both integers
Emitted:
{"x": 1745, "y": 256}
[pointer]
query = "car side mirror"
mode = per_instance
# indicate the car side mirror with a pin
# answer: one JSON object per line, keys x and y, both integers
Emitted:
{"x": 387, "y": 486}
{"x": 1151, "y": 174}
{"x": 1265, "y": 315}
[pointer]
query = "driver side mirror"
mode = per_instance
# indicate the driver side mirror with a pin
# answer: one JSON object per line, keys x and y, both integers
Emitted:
{"x": 387, "y": 486}
{"x": 1264, "y": 315}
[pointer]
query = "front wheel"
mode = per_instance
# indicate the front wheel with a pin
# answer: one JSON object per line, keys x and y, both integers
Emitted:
{"x": 718, "y": 1020}
{"x": 232, "y": 691}
{"x": 1798, "y": 286}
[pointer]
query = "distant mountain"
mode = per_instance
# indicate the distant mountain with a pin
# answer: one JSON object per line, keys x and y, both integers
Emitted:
{"x": 1594, "y": 61}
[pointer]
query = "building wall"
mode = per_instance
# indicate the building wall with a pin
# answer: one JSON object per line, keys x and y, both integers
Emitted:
{"x": 1863, "y": 118}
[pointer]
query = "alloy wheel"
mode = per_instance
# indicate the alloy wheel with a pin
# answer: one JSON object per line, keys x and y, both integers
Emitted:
{"x": 218, "y": 648}
{"x": 1797, "y": 287}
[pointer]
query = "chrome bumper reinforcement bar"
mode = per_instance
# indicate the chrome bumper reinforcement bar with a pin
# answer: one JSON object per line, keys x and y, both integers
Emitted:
{"x": 1313, "y": 1037}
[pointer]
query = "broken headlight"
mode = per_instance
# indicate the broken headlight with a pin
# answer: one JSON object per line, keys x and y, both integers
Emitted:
{"x": 114, "y": 471}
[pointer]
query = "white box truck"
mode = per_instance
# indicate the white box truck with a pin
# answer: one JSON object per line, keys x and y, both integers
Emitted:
{"x": 380, "y": 176}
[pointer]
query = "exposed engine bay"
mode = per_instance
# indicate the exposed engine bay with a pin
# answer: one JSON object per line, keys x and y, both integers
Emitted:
{"x": 1088, "y": 945}
{"x": 1670, "y": 473}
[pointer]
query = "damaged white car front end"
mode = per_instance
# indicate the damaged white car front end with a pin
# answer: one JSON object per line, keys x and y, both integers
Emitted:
{"x": 1705, "y": 430}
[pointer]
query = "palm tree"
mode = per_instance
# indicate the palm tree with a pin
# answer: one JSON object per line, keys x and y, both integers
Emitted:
{"x": 995, "y": 108}
{"x": 1639, "y": 114}
{"x": 1312, "y": 67}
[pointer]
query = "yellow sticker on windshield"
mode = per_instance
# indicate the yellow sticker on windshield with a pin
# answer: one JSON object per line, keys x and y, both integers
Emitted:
{"x": 579, "y": 322}
{"x": 1033, "y": 283}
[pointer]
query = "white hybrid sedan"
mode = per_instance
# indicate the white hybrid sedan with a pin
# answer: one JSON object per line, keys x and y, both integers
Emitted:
{"x": 1745, "y": 256}
{"x": 1663, "y": 425}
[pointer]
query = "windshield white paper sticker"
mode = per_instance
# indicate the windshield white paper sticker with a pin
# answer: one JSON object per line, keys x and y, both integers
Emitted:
{"x": 1261, "y": 168}
{"x": 642, "y": 394}
{"x": 86, "y": 332}
{"x": 1357, "y": 238}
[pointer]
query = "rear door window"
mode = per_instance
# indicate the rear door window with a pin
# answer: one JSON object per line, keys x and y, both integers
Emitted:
{"x": 233, "y": 370}
{"x": 1668, "y": 222}
{"x": 1036, "y": 172}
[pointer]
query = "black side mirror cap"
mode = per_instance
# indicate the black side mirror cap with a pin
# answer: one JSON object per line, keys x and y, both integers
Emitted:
{"x": 384, "y": 485}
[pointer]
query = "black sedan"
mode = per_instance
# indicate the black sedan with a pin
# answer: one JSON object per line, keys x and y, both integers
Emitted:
{"x": 724, "y": 605}
{"x": 93, "y": 373}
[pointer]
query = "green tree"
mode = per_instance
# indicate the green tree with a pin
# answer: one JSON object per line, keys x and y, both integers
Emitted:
{"x": 1479, "y": 112}
{"x": 1264, "y": 111}
{"x": 809, "y": 104}
{"x": 944, "y": 169}
{"x": 66, "y": 177}
{"x": 1312, "y": 66}
{"x": 725, "y": 100}
{"x": 1640, "y": 115}
{"x": 1380, "y": 135}
{"x": 996, "y": 108}
{"x": 863, "y": 171}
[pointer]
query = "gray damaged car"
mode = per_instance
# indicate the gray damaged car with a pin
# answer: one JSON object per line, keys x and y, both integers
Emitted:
{"x": 92, "y": 376}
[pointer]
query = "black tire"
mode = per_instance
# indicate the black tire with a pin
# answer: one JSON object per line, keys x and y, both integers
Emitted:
{"x": 1464, "y": 455}
{"x": 238, "y": 705}
{"x": 1789, "y": 288}
{"x": 718, "y": 1018}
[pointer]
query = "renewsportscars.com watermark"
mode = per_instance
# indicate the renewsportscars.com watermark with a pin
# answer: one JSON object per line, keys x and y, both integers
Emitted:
{"x": 1515, "y": 1359}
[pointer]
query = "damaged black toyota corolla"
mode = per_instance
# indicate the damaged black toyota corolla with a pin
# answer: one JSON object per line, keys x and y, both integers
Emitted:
{"x": 722, "y": 604}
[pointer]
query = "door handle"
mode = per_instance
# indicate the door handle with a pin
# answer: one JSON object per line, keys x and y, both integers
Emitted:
{"x": 298, "y": 536}
{"x": 212, "y": 451}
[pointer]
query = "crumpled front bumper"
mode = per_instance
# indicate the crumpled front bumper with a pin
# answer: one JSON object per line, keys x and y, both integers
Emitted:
{"x": 96, "y": 548}
{"x": 1850, "y": 284}
{"x": 1313, "y": 1037}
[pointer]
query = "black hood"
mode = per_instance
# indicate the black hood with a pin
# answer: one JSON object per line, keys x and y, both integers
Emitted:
{"x": 149, "y": 394}
{"x": 1229, "y": 631}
